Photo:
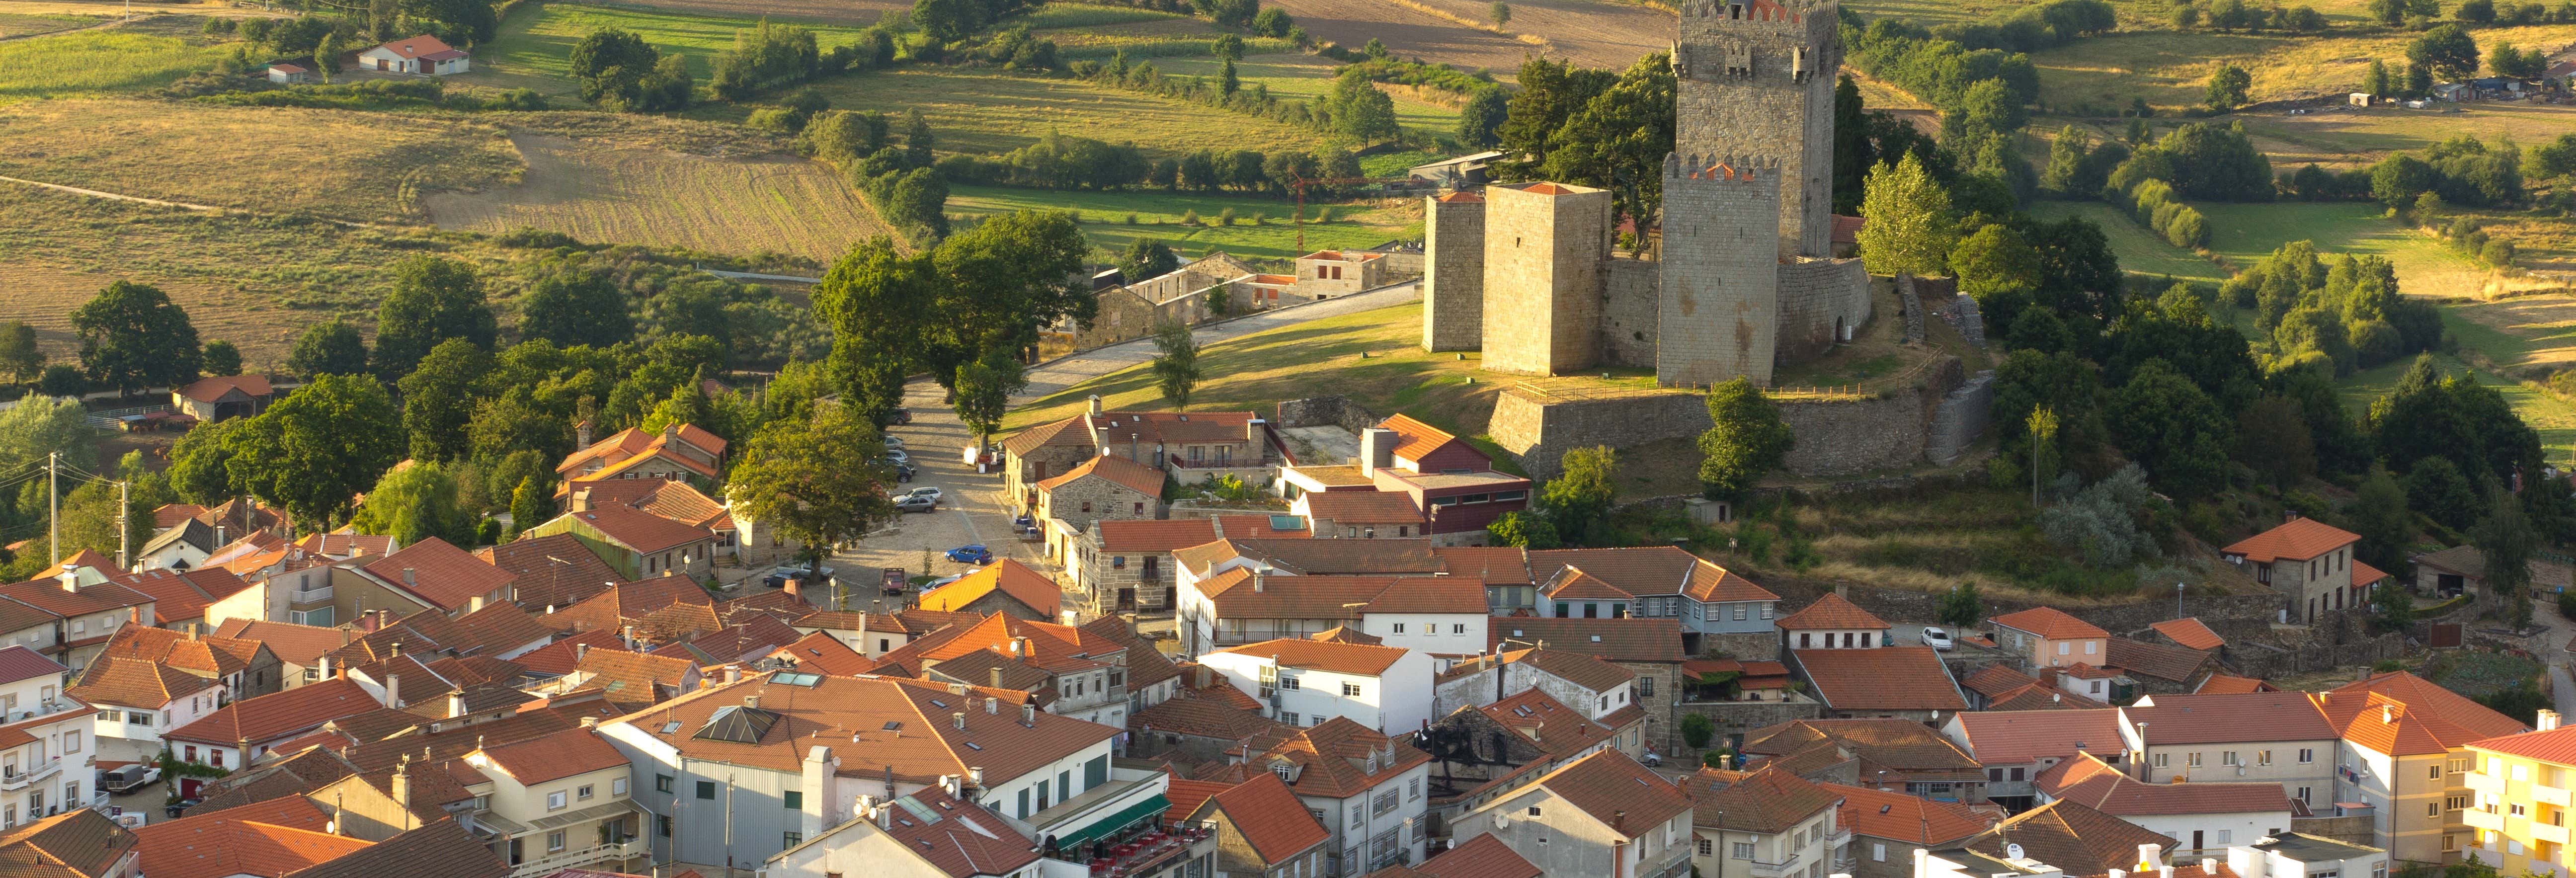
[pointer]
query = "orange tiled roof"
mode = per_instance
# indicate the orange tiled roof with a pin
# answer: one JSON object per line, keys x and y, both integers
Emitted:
{"x": 1118, "y": 470}
{"x": 2298, "y": 539}
{"x": 1154, "y": 535}
{"x": 1006, "y": 575}
{"x": 1271, "y": 818}
{"x": 2051, "y": 623}
{"x": 1414, "y": 439}
{"x": 1888, "y": 678}
{"x": 2191, "y": 633}
{"x": 1900, "y": 817}
{"x": 1832, "y": 611}
{"x": 1342, "y": 658}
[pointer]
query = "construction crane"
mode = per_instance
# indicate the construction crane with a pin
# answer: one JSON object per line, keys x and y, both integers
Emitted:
{"x": 1300, "y": 185}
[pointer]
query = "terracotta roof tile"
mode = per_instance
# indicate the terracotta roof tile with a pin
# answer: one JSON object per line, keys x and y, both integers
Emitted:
{"x": 2556, "y": 745}
{"x": 439, "y": 850}
{"x": 20, "y": 663}
{"x": 1341, "y": 658}
{"x": 964, "y": 841}
{"x": 444, "y": 575}
{"x": 1887, "y": 678}
{"x": 1362, "y": 508}
{"x": 1415, "y": 439}
{"x": 2087, "y": 780}
{"x": 1332, "y": 758}
{"x": 1146, "y": 666}
{"x": 2230, "y": 684}
{"x": 1154, "y": 535}
{"x": 123, "y": 682}
{"x": 2051, "y": 623}
{"x": 2298, "y": 539}
{"x": 1271, "y": 818}
{"x": 2021, "y": 737}
{"x": 838, "y": 708}
{"x": 2158, "y": 660}
{"x": 212, "y": 388}
{"x": 2072, "y": 837}
{"x": 1572, "y": 584}
{"x": 1490, "y": 565}
{"x": 822, "y": 653}
{"x": 642, "y": 532}
{"x": 1899, "y": 817}
{"x": 1119, "y": 471}
{"x": 553, "y": 570}
{"x": 81, "y": 843}
{"x": 1608, "y": 782}
{"x": 1895, "y": 744}
{"x": 270, "y": 838}
{"x": 299, "y": 645}
{"x": 2189, "y": 633}
{"x": 1203, "y": 718}
{"x": 1832, "y": 611}
{"x": 1618, "y": 640}
{"x": 555, "y": 756}
{"x": 2401, "y": 714}
{"x": 279, "y": 714}
{"x": 1265, "y": 527}
{"x": 1308, "y": 557}
{"x": 2217, "y": 719}
{"x": 1452, "y": 595}
{"x": 1556, "y": 729}
{"x": 1031, "y": 588}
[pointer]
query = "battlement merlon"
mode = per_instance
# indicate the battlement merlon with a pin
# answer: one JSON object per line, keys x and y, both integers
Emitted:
{"x": 1738, "y": 168}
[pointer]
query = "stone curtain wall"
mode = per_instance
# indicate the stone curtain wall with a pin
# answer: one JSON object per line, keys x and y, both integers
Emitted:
{"x": 1719, "y": 312}
{"x": 1453, "y": 283}
{"x": 1841, "y": 437}
{"x": 1819, "y": 298}
{"x": 1324, "y": 411}
{"x": 1628, "y": 304}
{"x": 1835, "y": 436}
{"x": 1961, "y": 417}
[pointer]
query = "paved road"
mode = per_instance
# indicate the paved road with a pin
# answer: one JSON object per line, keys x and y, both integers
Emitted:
{"x": 1056, "y": 375}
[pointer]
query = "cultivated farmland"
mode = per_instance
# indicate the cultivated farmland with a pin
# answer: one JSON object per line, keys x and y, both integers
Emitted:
{"x": 534, "y": 49}
{"x": 2170, "y": 69}
{"x": 1591, "y": 33}
{"x": 1301, "y": 76}
{"x": 2244, "y": 233}
{"x": 849, "y": 13}
{"x": 639, "y": 195}
{"x": 1105, "y": 218}
{"x": 15, "y": 24}
{"x": 359, "y": 166}
{"x": 982, "y": 111}
{"x": 122, "y": 60}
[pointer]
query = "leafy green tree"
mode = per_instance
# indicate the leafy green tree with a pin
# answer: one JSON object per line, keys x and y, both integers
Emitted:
{"x": 1618, "y": 139}
{"x": 39, "y": 426}
{"x": 132, "y": 337}
{"x": 62, "y": 379}
{"x": 803, "y": 478}
{"x": 326, "y": 56}
{"x": 434, "y": 299}
{"x": 312, "y": 452}
{"x": 474, "y": 19}
{"x": 1360, "y": 110}
{"x": 20, "y": 358}
{"x": 2435, "y": 487}
{"x": 1909, "y": 228}
{"x": 439, "y": 397}
{"x": 1523, "y": 529}
{"x": 414, "y": 503}
{"x": 528, "y": 506}
{"x": 1961, "y": 607}
{"x": 2392, "y": 607}
{"x": 1996, "y": 259}
{"x": 513, "y": 423}
{"x": 2505, "y": 60}
{"x": 946, "y": 21}
{"x": 2475, "y": 12}
{"x": 1176, "y": 363}
{"x": 997, "y": 284}
{"x": 610, "y": 63}
{"x": 2227, "y": 88}
{"x": 1698, "y": 730}
{"x": 576, "y": 308}
{"x": 1746, "y": 438}
{"x": 1146, "y": 259}
{"x": 220, "y": 357}
{"x": 984, "y": 389}
{"x": 2272, "y": 437}
{"x": 2375, "y": 81}
{"x": 2447, "y": 51}
{"x": 1480, "y": 122}
{"x": 1228, "y": 47}
{"x": 2507, "y": 540}
{"x": 331, "y": 347}
{"x": 1272, "y": 22}
{"x": 2379, "y": 515}
{"x": 2173, "y": 428}
{"x": 917, "y": 139}
{"x": 1578, "y": 500}
{"x": 1501, "y": 13}
{"x": 1227, "y": 82}
{"x": 199, "y": 471}
{"x": 2523, "y": 701}
{"x": 877, "y": 302}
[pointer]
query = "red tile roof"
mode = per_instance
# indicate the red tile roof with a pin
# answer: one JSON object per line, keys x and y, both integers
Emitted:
{"x": 125, "y": 682}
{"x": 20, "y": 663}
{"x": 2191, "y": 633}
{"x": 1119, "y": 471}
{"x": 926, "y": 746}
{"x": 439, "y": 573}
{"x": 552, "y": 570}
{"x": 1484, "y": 856}
{"x": 2299, "y": 539}
{"x": 642, "y": 532}
{"x": 1153, "y": 535}
{"x": 278, "y": 715}
{"x": 1271, "y": 818}
{"x": 1887, "y": 678}
{"x": 2556, "y": 745}
{"x": 1415, "y": 439}
{"x": 631, "y": 444}
{"x": 1556, "y": 729}
{"x": 180, "y": 596}
{"x": 1832, "y": 611}
{"x": 2228, "y": 684}
{"x": 1321, "y": 655}
{"x": 1899, "y": 817}
{"x": 213, "y": 387}
{"x": 1263, "y": 526}
{"x": 1572, "y": 584}
{"x": 1010, "y": 577}
{"x": 2073, "y": 837}
{"x": 2021, "y": 737}
{"x": 81, "y": 842}
{"x": 555, "y": 756}
{"x": 2087, "y": 780}
{"x": 1617, "y": 640}
{"x": 269, "y": 838}
{"x": 1361, "y": 508}
{"x": 959, "y": 839}
{"x": 1607, "y": 783}
{"x": 1588, "y": 671}
{"x": 2401, "y": 714}
{"x": 2364, "y": 575}
{"x": 822, "y": 653}
{"x": 2051, "y": 623}
{"x": 1454, "y": 596}
{"x": 299, "y": 645}
{"x": 2217, "y": 719}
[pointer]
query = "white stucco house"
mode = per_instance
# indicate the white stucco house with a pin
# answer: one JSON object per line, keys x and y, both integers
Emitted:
{"x": 1307, "y": 682}
{"x": 422, "y": 54}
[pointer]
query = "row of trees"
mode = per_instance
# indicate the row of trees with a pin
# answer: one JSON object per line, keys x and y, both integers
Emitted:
{"x": 2421, "y": 14}
{"x": 2034, "y": 27}
{"x": 1353, "y": 107}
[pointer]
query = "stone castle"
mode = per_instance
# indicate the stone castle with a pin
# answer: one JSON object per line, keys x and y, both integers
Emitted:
{"x": 1744, "y": 277}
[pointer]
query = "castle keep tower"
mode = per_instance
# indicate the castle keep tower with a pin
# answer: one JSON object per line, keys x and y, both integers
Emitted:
{"x": 1756, "y": 78}
{"x": 1453, "y": 272}
{"x": 1720, "y": 304}
{"x": 1544, "y": 248}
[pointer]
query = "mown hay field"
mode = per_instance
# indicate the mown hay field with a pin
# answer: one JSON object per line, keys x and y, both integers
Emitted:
{"x": 640, "y": 195}
{"x": 16, "y": 24}
{"x": 534, "y": 49}
{"x": 124, "y": 60}
{"x": 1157, "y": 215}
{"x": 990, "y": 112}
{"x": 358, "y": 166}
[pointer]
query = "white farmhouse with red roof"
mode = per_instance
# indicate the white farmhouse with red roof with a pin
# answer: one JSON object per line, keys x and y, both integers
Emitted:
{"x": 422, "y": 54}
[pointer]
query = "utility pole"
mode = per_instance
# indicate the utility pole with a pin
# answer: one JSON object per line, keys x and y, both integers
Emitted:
{"x": 53, "y": 506}
{"x": 122, "y": 561}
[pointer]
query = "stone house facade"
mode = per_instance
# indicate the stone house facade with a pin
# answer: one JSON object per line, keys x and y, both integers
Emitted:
{"x": 1159, "y": 440}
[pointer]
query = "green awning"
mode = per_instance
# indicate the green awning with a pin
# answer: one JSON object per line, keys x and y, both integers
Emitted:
{"x": 1148, "y": 809}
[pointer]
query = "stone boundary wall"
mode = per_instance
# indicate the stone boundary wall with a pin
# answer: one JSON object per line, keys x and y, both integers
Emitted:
{"x": 1324, "y": 411}
{"x": 1840, "y": 437}
{"x": 2233, "y": 616}
{"x": 1835, "y": 436}
{"x": 1818, "y": 297}
{"x": 1630, "y": 299}
{"x": 2267, "y": 662}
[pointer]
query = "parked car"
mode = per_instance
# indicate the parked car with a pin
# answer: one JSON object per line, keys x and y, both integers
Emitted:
{"x": 898, "y": 456}
{"x": 175, "y": 809}
{"x": 974, "y": 554}
{"x": 916, "y": 503}
{"x": 903, "y": 472}
{"x": 129, "y": 778}
{"x": 896, "y": 580}
{"x": 1938, "y": 639}
{"x": 936, "y": 584}
{"x": 903, "y": 416}
{"x": 778, "y": 578}
{"x": 894, "y": 442}
{"x": 930, "y": 491}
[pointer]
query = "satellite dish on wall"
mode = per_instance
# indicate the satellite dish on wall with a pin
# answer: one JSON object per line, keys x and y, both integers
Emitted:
{"x": 2012, "y": 852}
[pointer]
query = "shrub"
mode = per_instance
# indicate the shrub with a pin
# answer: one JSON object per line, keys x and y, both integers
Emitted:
{"x": 1698, "y": 730}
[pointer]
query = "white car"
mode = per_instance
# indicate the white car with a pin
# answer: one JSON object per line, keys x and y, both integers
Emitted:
{"x": 929, "y": 491}
{"x": 1938, "y": 639}
{"x": 894, "y": 443}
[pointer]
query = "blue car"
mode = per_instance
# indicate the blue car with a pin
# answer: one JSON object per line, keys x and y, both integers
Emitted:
{"x": 974, "y": 554}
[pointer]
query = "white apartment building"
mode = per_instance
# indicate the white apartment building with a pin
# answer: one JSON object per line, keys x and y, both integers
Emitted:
{"x": 1307, "y": 682}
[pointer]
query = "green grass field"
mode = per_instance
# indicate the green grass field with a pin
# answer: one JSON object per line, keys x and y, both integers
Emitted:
{"x": 2170, "y": 69}
{"x": 104, "y": 62}
{"x": 2245, "y": 233}
{"x": 19, "y": 24}
{"x": 989, "y": 112}
{"x": 534, "y": 49}
{"x": 2140, "y": 251}
{"x": 1158, "y": 214}
{"x": 1300, "y": 76}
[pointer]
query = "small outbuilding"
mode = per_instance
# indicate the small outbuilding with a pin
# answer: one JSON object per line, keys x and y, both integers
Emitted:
{"x": 284, "y": 73}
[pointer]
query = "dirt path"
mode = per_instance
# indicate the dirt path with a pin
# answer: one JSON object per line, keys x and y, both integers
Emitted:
{"x": 111, "y": 196}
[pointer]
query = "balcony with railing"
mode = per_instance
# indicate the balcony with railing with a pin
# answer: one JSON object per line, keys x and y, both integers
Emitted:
{"x": 1146, "y": 852}
{"x": 610, "y": 852}
{"x": 2477, "y": 819}
{"x": 2483, "y": 782}
{"x": 2549, "y": 795}
{"x": 305, "y": 598}
{"x": 2545, "y": 832}
{"x": 1998, "y": 789}
{"x": 18, "y": 777}
{"x": 1782, "y": 869}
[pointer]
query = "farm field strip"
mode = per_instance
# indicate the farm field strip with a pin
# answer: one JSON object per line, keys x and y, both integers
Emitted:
{"x": 1104, "y": 218}
{"x": 1301, "y": 76}
{"x": 123, "y": 60}
{"x": 989, "y": 112}
{"x": 649, "y": 196}
{"x": 2245, "y": 233}
{"x": 2140, "y": 251}
{"x": 539, "y": 40}
{"x": 2170, "y": 68}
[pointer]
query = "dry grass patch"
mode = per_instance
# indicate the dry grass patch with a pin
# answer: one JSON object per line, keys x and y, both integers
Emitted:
{"x": 2170, "y": 69}
{"x": 602, "y": 192}
{"x": 983, "y": 111}
{"x": 342, "y": 164}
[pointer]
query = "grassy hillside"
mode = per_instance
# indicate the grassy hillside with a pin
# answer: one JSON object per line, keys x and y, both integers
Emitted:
{"x": 2244, "y": 233}
{"x": 1301, "y": 76}
{"x": 126, "y": 60}
{"x": 534, "y": 49}
{"x": 985, "y": 111}
{"x": 2170, "y": 68}
{"x": 1104, "y": 217}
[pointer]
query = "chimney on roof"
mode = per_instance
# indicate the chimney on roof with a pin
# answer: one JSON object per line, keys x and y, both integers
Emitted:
{"x": 1132, "y": 453}
{"x": 959, "y": 719}
{"x": 1095, "y": 405}
{"x": 2149, "y": 855}
{"x": 219, "y": 534}
{"x": 1377, "y": 450}
{"x": 626, "y": 635}
{"x": 402, "y": 782}
{"x": 581, "y": 433}
{"x": 733, "y": 673}
{"x": 134, "y": 614}
{"x": 795, "y": 589}
{"x": 2209, "y": 866}
{"x": 408, "y": 578}
{"x": 2387, "y": 713}
{"x": 393, "y": 690}
{"x": 455, "y": 704}
{"x": 975, "y": 776}
{"x": 1028, "y": 715}
{"x": 997, "y": 676}
{"x": 580, "y": 651}
{"x": 2547, "y": 721}
{"x": 1617, "y": 819}
{"x": 751, "y": 701}
{"x": 590, "y": 722}
{"x": 992, "y": 706}
{"x": 670, "y": 431}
